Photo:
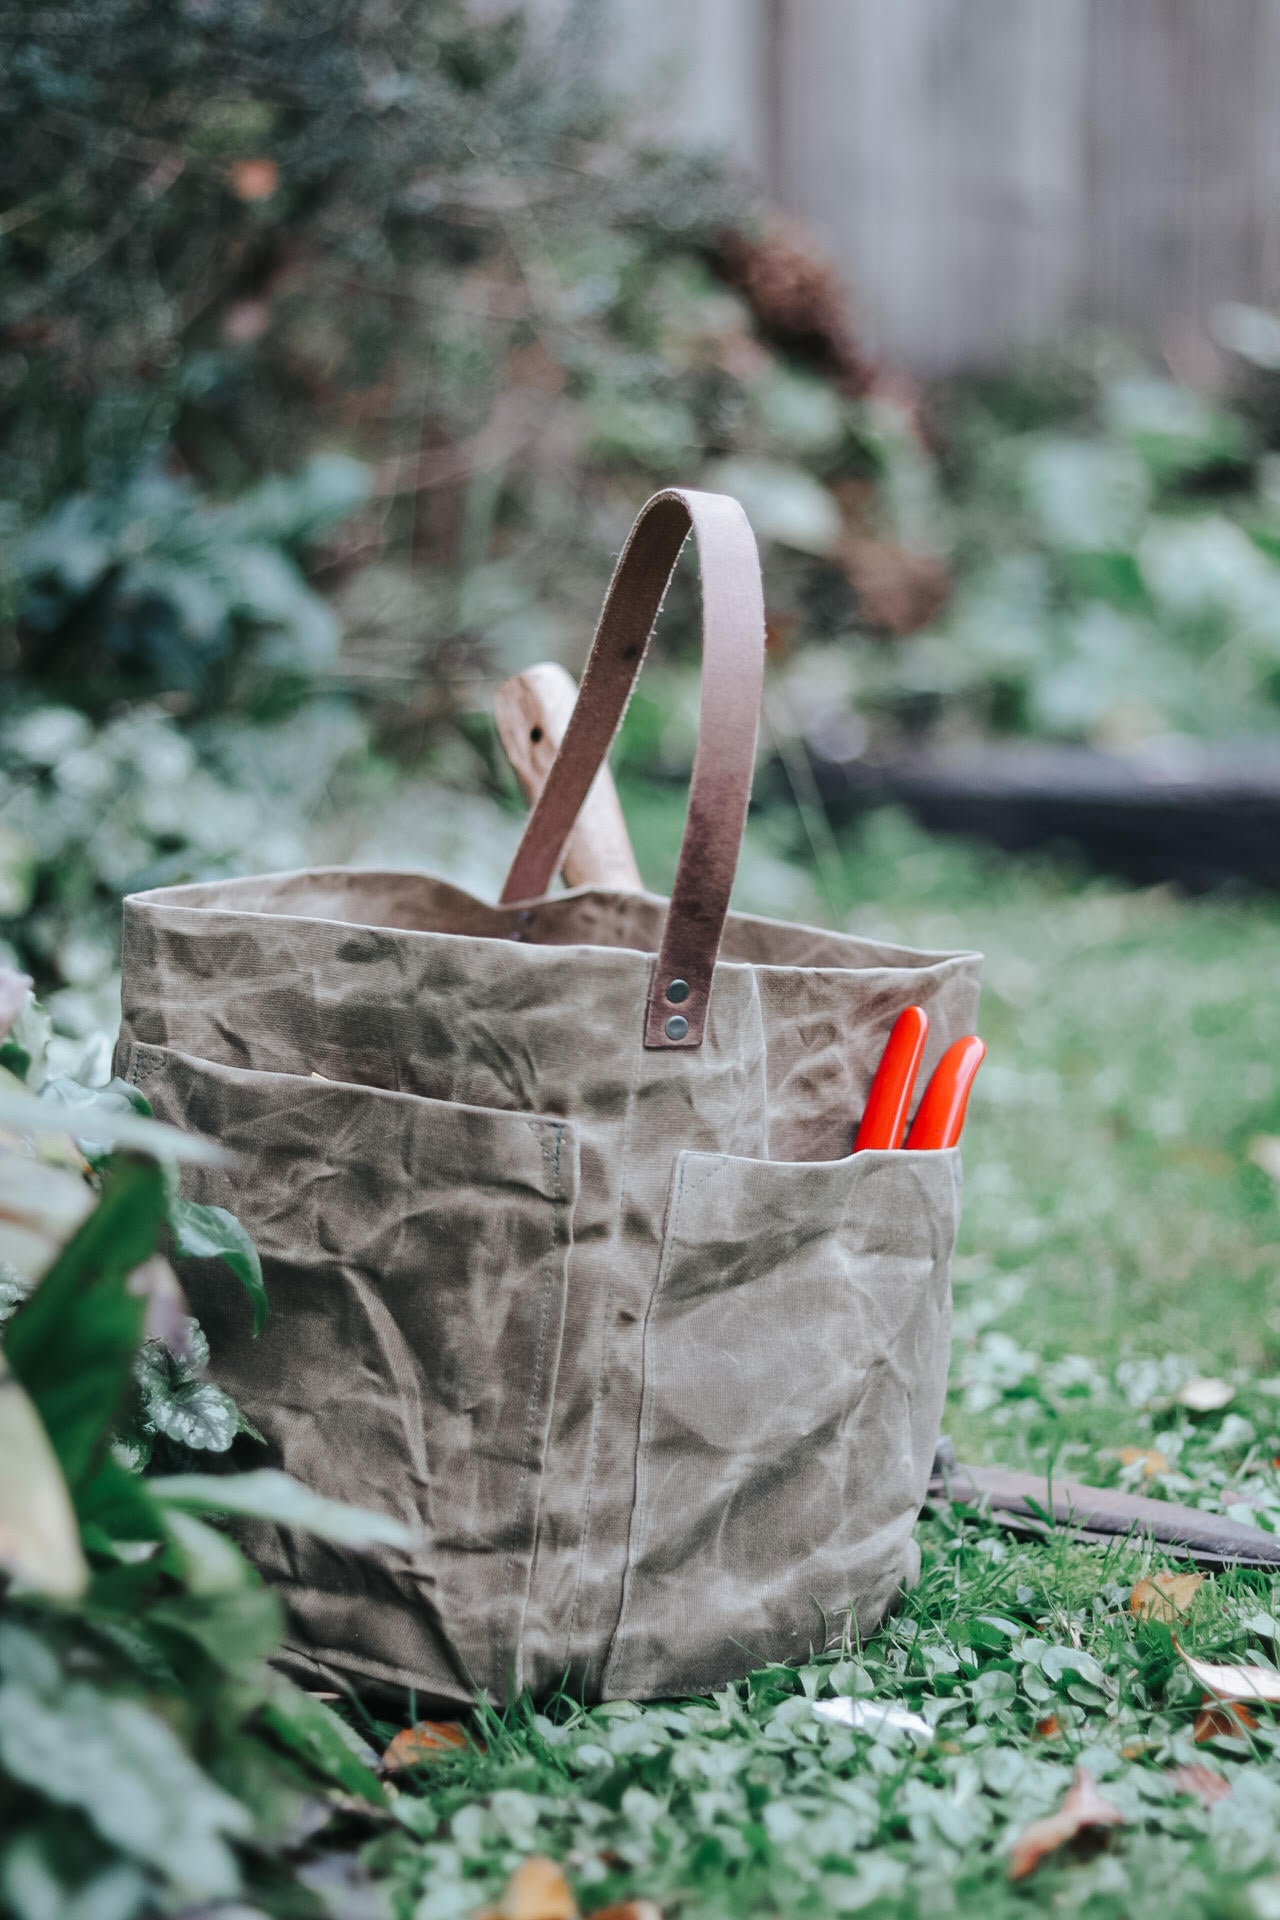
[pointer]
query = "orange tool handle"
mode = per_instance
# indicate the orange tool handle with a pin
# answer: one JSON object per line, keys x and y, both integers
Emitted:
{"x": 940, "y": 1115}
{"x": 885, "y": 1118}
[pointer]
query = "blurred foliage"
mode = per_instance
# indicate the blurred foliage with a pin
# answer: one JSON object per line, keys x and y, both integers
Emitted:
{"x": 417, "y": 262}
{"x": 1115, "y": 541}
{"x": 150, "y": 1759}
{"x": 92, "y": 810}
{"x": 152, "y": 589}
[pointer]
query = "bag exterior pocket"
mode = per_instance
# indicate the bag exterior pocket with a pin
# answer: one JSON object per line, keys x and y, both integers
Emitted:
{"x": 795, "y": 1364}
{"x": 416, "y": 1254}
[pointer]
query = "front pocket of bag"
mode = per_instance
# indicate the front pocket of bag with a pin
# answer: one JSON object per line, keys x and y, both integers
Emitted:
{"x": 415, "y": 1254}
{"x": 795, "y": 1365}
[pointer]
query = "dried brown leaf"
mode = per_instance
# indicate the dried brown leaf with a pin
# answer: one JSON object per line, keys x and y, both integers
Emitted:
{"x": 629, "y": 1910}
{"x": 1083, "y": 1810}
{"x": 537, "y": 1890}
{"x": 1216, "y": 1721}
{"x": 1206, "y": 1785}
{"x": 1165, "y": 1596}
{"x": 1229, "y": 1682}
{"x": 1048, "y": 1728}
{"x": 428, "y": 1740}
{"x": 1153, "y": 1461}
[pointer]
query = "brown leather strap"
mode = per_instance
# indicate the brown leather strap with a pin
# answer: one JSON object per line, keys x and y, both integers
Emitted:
{"x": 732, "y": 681}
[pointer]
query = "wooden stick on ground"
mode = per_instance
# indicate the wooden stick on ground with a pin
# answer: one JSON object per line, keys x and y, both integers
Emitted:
{"x": 532, "y": 711}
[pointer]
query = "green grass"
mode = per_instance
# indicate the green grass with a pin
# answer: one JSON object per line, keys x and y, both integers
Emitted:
{"x": 1117, "y": 1239}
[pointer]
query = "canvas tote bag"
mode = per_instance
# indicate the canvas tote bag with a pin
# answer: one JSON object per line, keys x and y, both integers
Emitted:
{"x": 570, "y": 1265}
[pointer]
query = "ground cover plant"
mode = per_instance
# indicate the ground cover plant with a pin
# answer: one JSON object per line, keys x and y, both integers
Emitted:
{"x": 1118, "y": 1252}
{"x": 1115, "y": 1319}
{"x": 420, "y": 271}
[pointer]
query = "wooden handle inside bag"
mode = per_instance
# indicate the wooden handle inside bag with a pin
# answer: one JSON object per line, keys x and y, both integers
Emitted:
{"x": 532, "y": 712}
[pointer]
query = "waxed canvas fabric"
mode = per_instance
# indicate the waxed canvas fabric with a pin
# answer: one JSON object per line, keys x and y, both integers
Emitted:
{"x": 652, "y": 1365}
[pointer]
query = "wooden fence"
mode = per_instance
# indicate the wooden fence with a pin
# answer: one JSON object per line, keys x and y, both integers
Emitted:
{"x": 991, "y": 173}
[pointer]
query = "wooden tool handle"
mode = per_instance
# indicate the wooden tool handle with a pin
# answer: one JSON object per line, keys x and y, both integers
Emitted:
{"x": 532, "y": 711}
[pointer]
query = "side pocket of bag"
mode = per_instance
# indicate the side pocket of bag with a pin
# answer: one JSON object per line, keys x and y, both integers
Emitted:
{"x": 795, "y": 1365}
{"x": 415, "y": 1254}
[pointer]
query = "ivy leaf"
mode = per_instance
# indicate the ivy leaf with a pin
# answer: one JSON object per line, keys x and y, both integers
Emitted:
{"x": 179, "y": 1403}
{"x": 1084, "y": 1809}
{"x": 211, "y": 1233}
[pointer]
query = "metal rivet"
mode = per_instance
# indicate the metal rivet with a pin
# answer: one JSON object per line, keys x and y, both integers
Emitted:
{"x": 677, "y": 1027}
{"x": 678, "y": 991}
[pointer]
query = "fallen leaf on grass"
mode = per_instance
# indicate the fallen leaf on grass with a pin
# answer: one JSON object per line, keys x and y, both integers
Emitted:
{"x": 1048, "y": 1728}
{"x": 1082, "y": 1811}
{"x": 1215, "y": 1722}
{"x": 1206, "y": 1785}
{"x": 1205, "y": 1396}
{"x": 1153, "y": 1461}
{"x": 870, "y": 1716}
{"x": 629, "y": 1910}
{"x": 429, "y": 1740}
{"x": 537, "y": 1890}
{"x": 1233, "y": 1683}
{"x": 40, "y": 1209}
{"x": 1165, "y": 1596}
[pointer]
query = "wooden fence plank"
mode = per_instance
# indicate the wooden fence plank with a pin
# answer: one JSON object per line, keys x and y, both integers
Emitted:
{"x": 937, "y": 144}
{"x": 989, "y": 173}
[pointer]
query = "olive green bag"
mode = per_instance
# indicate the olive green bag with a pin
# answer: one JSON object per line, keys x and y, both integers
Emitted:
{"x": 570, "y": 1265}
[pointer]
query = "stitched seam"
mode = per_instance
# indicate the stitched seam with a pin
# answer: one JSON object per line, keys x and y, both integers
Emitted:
{"x": 593, "y": 1454}
{"x": 137, "y": 1070}
{"x": 614, "y": 1656}
{"x": 553, "y": 1162}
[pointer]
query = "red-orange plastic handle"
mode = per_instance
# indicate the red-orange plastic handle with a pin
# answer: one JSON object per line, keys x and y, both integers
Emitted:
{"x": 884, "y": 1121}
{"x": 939, "y": 1118}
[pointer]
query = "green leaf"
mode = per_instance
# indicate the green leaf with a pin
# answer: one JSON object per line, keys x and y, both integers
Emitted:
{"x": 324, "y": 1741}
{"x": 25, "y": 1114}
{"x": 178, "y": 1403}
{"x": 39, "y": 1538}
{"x": 34, "y": 1891}
{"x": 72, "y": 1343}
{"x": 268, "y": 1494}
{"x": 783, "y": 503}
{"x": 178, "y": 1398}
{"x": 211, "y": 1233}
{"x": 116, "y": 1509}
{"x": 211, "y": 1563}
{"x": 122, "y": 1766}
{"x": 234, "y": 1627}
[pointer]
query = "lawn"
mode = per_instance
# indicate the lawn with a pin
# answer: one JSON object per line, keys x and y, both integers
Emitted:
{"x": 1119, "y": 1239}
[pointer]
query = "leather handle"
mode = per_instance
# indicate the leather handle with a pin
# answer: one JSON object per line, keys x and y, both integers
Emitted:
{"x": 724, "y": 761}
{"x": 532, "y": 710}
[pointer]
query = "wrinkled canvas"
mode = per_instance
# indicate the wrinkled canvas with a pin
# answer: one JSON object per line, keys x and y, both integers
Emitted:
{"x": 650, "y": 1362}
